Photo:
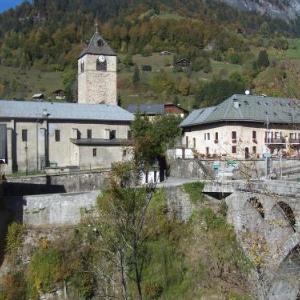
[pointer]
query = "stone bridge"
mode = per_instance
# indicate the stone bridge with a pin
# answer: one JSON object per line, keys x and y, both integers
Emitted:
{"x": 266, "y": 218}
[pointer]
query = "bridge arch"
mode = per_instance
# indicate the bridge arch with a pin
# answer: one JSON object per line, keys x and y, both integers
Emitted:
{"x": 257, "y": 205}
{"x": 289, "y": 214}
{"x": 286, "y": 284}
{"x": 292, "y": 244}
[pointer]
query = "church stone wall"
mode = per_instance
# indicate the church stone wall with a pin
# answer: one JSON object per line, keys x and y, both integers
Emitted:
{"x": 95, "y": 87}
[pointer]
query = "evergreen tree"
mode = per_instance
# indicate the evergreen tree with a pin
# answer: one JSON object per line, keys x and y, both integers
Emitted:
{"x": 136, "y": 75}
{"x": 263, "y": 59}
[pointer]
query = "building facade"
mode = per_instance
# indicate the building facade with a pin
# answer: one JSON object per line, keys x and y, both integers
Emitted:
{"x": 244, "y": 127}
{"x": 97, "y": 73}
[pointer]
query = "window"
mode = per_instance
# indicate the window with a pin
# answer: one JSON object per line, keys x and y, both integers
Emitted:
{"x": 94, "y": 152}
{"x": 233, "y": 136}
{"x": 194, "y": 143}
{"x": 89, "y": 134}
{"x": 254, "y": 150}
{"x": 57, "y": 135}
{"x": 207, "y": 151}
{"x": 254, "y": 135}
{"x": 78, "y": 133}
{"x": 24, "y": 135}
{"x": 82, "y": 67}
{"x": 124, "y": 154}
{"x": 216, "y": 137}
{"x": 101, "y": 66}
{"x": 233, "y": 150}
{"x": 187, "y": 141}
{"x": 112, "y": 134}
{"x": 100, "y": 43}
{"x": 207, "y": 136}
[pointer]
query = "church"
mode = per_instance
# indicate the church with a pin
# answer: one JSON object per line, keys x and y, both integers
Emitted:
{"x": 90, "y": 134}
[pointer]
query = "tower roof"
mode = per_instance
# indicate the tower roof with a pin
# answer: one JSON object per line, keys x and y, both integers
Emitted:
{"x": 98, "y": 46}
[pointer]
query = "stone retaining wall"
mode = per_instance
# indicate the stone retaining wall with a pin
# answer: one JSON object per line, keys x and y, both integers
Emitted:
{"x": 62, "y": 183}
{"x": 244, "y": 169}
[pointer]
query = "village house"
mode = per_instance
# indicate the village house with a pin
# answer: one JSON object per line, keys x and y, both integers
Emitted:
{"x": 244, "y": 127}
{"x": 154, "y": 110}
{"x": 92, "y": 133}
{"x": 59, "y": 94}
{"x": 183, "y": 64}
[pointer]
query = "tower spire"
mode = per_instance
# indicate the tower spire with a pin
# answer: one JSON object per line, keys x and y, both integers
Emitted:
{"x": 96, "y": 26}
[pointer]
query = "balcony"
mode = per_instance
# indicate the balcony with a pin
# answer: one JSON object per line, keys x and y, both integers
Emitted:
{"x": 275, "y": 141}
{"x": 294, "y": 141}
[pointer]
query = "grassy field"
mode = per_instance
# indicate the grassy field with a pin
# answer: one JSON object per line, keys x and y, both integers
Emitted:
{"x": 22, "y": 84}
{"x": 160, "y": 63}
{"x": 294, "y": 50}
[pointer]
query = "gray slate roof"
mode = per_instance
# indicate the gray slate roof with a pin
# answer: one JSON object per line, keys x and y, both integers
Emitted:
{"x": 258, "y": 109}
{"x": 63, "y": 111}
{"x": 147, "y": 109}
{"x": 94, "y": 49}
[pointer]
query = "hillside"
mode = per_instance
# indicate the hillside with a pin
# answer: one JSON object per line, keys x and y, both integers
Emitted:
{"x": 40, "y": 43}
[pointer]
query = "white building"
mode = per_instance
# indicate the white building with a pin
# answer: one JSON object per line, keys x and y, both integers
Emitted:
{"x": 244, "y": 127}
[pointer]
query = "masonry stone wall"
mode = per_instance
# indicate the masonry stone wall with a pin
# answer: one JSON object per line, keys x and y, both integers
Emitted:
{"x": 57, "y": 209}
{"x": 97, "y": 87}
{"x": 244, "y": 169}
{"x": 61, "y": 183}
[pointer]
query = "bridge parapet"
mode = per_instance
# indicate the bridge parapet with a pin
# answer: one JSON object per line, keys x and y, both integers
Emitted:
{"x": 274, "y": 187}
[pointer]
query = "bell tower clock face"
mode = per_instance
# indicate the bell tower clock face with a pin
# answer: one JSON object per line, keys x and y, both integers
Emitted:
{"x": 101, "y": 59}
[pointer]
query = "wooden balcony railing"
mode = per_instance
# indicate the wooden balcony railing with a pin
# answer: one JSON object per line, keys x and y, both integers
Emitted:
{"x": 294, "y": 141}
{"x": 275, "y": 140}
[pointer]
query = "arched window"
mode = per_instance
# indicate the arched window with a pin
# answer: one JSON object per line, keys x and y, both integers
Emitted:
{"x": 100, "y": 43}
{"x": 82, "y": 67}
{"x": 101, "y": 65}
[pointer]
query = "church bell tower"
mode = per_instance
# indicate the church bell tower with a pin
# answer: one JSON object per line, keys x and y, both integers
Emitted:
{"x": 97, "y": 73}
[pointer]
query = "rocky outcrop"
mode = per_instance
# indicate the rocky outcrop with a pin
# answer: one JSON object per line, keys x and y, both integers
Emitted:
{"x": 282, "y": 9}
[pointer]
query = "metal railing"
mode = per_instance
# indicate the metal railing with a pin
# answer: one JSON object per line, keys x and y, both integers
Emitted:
{"x": 280, "y": 140}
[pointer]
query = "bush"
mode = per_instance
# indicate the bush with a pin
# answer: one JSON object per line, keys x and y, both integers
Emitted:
{"x": 194, "y": 190}
{"x": 263, "y": 59}
{"x": 14, "y": 239}
{"x": 44, "y": 270}
{"x": 13, "y": 287}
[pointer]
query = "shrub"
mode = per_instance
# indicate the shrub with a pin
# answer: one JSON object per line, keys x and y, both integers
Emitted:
{"x": 14, "y": 239}
{"x": 13, "y": 287}
{"x": 44, "y": 270}
{"x": 194, "y": 190}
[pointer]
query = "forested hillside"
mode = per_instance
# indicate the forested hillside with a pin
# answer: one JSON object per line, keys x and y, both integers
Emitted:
{"x": 40, "y": 42}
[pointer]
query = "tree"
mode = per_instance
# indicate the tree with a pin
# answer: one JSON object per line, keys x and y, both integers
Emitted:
{"x": 214, "y": 92}
{"x": 128, "y": 60}
{"x": 184, "y": 86}
{"x": 136, "y": 75}
{"x": 201, "y": 64}
{"x": 152, "y": 138}
{"x": 124, "y": 227}
{"x": 263, "y": 59}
